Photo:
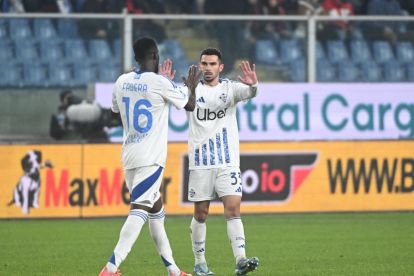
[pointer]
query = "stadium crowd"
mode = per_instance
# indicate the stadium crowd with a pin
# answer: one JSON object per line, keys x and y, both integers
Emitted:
{"x": 269, "y": 7}
{"x": 335, "y": 8}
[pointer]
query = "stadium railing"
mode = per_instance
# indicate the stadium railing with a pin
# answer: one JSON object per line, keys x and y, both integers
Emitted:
{"x": 302, "y": 48}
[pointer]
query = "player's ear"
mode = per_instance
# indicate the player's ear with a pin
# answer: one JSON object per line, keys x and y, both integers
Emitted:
{"x": 221, "y": 67}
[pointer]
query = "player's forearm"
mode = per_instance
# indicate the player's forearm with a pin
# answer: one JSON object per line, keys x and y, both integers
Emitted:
{"x": 253, "y": 89}
{"x": 190, "y": 106}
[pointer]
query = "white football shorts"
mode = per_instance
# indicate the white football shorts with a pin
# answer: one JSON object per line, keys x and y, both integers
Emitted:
{"x": 144, "y": 184}
{"x": 205, "y": 184}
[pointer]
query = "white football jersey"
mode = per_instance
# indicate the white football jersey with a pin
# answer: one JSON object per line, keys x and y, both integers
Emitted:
{"x": 143, "y": 100}
{"x": 213, "y": 132}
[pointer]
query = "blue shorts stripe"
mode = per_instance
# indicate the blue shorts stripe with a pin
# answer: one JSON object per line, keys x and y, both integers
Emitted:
{"x": 145, "y": 185}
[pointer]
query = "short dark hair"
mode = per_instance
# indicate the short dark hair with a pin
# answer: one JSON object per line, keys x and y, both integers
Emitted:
{"x": 143, "y": 46}
{"x": 211, "y": 52}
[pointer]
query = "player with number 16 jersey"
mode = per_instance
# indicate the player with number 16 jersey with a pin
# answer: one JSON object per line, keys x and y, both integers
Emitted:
{"x": 141, "y": 98}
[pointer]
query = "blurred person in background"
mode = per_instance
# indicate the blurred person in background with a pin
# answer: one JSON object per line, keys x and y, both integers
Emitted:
{"x": 333, "y": 30}
{"x": 182, "y": 6}
{"x": 278, "y": 29}
{"x": 100, "y": 28}
{"x": 142, "y": 98}
{"x": 12, "y": 6}
{"x": 41, "y": 6}
{"x": 309, "y": 7}
{"x": 78, "y": 119}
{"x": 391, "y": 31}
{"x": 254, "y": 29}
{"x": 147, "y": 27}
{"x": 213, "y": 126}
{"x": 228, "y": 33}
{"x": 360, "y": 6}
{"x": 60, "y": 127}
{"x": 408, "y": 6}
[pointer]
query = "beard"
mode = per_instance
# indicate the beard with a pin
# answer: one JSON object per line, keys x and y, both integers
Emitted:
{"x": 208, "y": 77}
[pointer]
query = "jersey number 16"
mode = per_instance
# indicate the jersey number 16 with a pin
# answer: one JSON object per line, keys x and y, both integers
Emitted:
{"x": 137, "y": 113}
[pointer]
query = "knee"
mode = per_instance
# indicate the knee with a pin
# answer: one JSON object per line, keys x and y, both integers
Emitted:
{"x": 201, "y": 215}
{"x": 232, "y": 211}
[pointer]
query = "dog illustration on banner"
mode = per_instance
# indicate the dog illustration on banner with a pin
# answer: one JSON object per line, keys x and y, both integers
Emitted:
{"x": 27, "y": 190}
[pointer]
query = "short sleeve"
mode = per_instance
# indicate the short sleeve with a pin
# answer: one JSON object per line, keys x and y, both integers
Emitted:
{"x": 115, "y": 107}
{"x": 242, "y": 92}
{"x": 174, "y": 94}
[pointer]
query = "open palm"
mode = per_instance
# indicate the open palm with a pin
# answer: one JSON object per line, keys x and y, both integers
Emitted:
{"x": 166, "y": 69}
{"x": 249, "y": 73}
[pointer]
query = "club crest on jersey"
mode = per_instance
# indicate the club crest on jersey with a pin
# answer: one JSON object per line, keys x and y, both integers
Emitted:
{"x": 223, "y": 97}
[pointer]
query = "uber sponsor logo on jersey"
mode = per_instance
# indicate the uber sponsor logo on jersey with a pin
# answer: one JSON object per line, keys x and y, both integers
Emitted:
{"x": 269, "y": 178}
{"x": 207, "y": 115}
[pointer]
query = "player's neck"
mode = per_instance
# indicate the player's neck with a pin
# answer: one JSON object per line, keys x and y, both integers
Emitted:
{"x": 212, "y": 83}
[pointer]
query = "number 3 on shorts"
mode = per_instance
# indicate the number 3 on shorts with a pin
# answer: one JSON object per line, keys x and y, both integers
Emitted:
{"x": 235, "y": 178}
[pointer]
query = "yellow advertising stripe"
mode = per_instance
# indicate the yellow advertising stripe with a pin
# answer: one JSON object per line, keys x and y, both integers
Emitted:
{"x": 87, "y": 180}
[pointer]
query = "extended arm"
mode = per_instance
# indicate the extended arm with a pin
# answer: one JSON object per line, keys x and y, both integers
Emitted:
{"x": 191, "y": 82}
{"x": 249, "y": 78}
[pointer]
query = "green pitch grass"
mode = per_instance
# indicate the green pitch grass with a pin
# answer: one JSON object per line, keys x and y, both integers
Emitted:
{"x": 306, "y": 244}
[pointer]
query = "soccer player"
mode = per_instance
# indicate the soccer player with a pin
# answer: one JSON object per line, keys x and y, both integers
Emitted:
{"x": 143, "y": 98}
{"x": 213, "y": 152}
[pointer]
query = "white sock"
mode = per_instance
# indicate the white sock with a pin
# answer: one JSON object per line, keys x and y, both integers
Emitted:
{"x": 198, "y": 240}
{"x": 158, "y": 234}
{"x": 129, "y": 234}
{"x": 235, "y": 232}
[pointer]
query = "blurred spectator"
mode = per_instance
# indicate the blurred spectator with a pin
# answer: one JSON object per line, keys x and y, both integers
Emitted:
{"x": 291, "y": 6}
{"x": 145, "y": 6}
{"x": 229, "y": 33}
{"x": 309, "y": 7}
{"x": 408, "y": 6}
{"x": 147, "y": 27}
{"x": 64, "y": 6}
{"x": 99, "y": 28}
{"x": 60, "y": 127}
{"x": 182, "y": 6}
{"x": 12, "y": 6}
{"x": 199, "y": 6}
{"x": 333, "y": 30}
{"x": 360, "y": 6}
{"x": 41, "y": 6}
{"x": 278, "y": 28}
{"x": 386, "y": 30}
{"x": 254, "y": 29}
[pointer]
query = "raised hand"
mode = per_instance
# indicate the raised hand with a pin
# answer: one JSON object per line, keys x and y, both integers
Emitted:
{"x": 193, "y": 77}
{"x": 191, "y": 81}
{"x": 166, "y": 69}
{"x": 249, "y": 73}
